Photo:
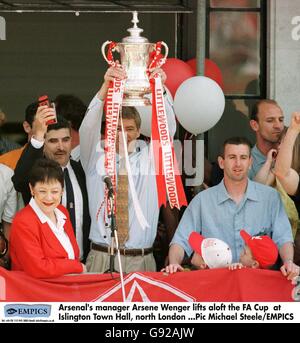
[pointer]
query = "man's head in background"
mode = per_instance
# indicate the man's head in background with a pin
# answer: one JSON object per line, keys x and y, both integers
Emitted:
{"x": 266, "y": 121}
{"x": 73, "y": 110}
{"x": 29, "y": 118}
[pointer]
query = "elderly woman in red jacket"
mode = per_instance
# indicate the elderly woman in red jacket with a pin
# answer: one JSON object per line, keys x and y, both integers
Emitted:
{"x": 42, "y": 240}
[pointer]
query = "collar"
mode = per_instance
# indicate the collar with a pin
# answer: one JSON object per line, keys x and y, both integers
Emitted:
{"x": 223, "y": 195}
{"x": 255, "y": 152}
{"x": 60, "y": 216}
{"x": 68, "y": 166}
{"x": 139, "y": 145}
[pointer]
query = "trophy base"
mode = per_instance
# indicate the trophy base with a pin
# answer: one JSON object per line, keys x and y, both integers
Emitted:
{"x": 136, "y": 101}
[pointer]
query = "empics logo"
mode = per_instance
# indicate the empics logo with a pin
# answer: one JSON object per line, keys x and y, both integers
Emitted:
{"x": 27, "y": 311}
{"x": 2, "y": 29}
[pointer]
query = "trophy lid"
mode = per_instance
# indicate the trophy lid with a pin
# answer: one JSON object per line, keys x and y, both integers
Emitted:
{"x": 135, "y": 32}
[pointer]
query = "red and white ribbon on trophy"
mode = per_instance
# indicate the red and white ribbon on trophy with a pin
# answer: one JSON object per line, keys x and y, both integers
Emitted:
{"x": 168, "y": 180}
{"x": 113, "y": 106}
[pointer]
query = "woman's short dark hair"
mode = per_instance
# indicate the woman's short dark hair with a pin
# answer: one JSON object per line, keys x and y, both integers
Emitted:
{"x": 45, "y": 170}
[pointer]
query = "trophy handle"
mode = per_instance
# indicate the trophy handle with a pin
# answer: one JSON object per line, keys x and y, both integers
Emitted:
{"x": 109, "y": 58}
{"x": 161, "y": 61}
{"x": 166, "y": 52}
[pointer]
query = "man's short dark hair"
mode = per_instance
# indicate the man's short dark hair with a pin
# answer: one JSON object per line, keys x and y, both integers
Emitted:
{"x": 129, "y": 112}
{"x": 30, "y": 112}
{"x": 235, "y": 141}
{"x": 71, "y": 108}
{"x": 62, "y": 123}
{"x": 45, "y": 170}
{"x": 255, "y": 108}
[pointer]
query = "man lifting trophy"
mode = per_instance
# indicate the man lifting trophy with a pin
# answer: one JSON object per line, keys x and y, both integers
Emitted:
{"x": 129, "y": 180}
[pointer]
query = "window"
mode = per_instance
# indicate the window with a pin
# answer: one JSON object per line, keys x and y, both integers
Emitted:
{"x": 237, "y": 44}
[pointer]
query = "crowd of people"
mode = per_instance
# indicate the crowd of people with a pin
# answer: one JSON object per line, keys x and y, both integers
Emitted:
{"x": 53, "y": 197}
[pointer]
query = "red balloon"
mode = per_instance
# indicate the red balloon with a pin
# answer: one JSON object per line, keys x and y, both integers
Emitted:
{"x": 211, "y": 70}
{"x": 177, "y": 71}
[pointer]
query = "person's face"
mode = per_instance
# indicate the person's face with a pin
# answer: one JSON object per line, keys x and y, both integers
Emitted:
{"x": 269, "y": 124}
{"x": 246, "y": 258}
{"x": 131, "y": 133}
{"x": 58, "y": 146}
{"x": 47, "y": 195}
{"x": 236, "y": 161}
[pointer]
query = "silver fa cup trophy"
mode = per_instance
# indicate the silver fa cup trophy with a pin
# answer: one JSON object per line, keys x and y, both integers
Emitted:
{"x": 137, "y": 55}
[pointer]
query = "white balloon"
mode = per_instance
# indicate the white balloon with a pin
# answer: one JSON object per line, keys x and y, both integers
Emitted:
{"x": 199, "y": 104}
{"x": 146, "y": 116}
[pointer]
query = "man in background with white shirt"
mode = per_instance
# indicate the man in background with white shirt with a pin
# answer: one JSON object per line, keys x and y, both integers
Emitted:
{"x": 137, "y": 251}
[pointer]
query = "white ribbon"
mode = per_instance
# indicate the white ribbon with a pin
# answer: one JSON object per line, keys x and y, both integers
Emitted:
{"x": 137, "y": 208}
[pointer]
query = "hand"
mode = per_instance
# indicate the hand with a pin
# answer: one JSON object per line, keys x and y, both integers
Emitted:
{"x": 160, "y": 72}
{"x": 115, "y": 72}
{"x": 39, "y": 125}
{"x": 290, "y": 270}
{"x": 172, "y": 268}
{"x": 295, "y": 121}
{"x": 271, "y": 156}
{"x": 234, "y": 266}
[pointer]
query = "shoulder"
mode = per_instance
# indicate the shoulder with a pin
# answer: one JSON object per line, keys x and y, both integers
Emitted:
{"x": 11, "y": 158}
{"x": 263, "y": 192}
{"x": 203, "y": 196}
{"x": 26, "y": 217}
{"x": 26, "y": 211}
{"x": 259, "y": 187}
{"x": 5, "y": 171}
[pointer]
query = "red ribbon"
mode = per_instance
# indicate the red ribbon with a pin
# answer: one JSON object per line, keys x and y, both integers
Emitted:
{"x": 168, "y": 180}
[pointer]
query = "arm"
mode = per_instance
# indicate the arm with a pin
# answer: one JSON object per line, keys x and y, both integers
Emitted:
{"x": 176, "y": 254}
{"x": 90, "y": 129}
{"x": 289, "y": 269}
{"x": 10, "y": 205}
{"x": 26, "y": 248}
{"x": 6, "y": 229}
{"x": 282, "y": 235}
{"x": 198, "y": 262}
{"x": 33, "y": 151}
{"x": 170, "y": 220}
{"x": 265, "y": 174}
{"x": 191, "y": 220}
{"x": 288, "y": 177}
